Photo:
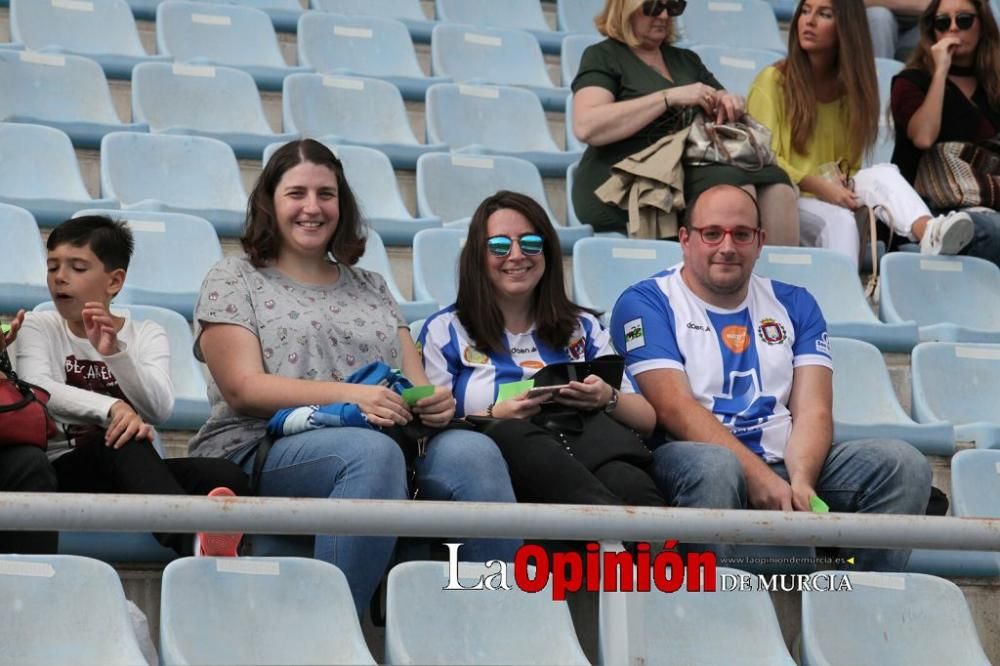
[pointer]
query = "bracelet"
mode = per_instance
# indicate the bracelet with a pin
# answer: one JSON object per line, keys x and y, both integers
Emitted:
{"x": 612, "y": 402}
{"x": 666, "y": 102}
{"x": 489, "y": 410}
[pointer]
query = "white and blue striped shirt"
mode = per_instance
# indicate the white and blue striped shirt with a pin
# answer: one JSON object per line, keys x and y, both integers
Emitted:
{"x": 474, "y": 378}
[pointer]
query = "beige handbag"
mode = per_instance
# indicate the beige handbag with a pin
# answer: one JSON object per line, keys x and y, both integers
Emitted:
{"x": 745, "y": 143}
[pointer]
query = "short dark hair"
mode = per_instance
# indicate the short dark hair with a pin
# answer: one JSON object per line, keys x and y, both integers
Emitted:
{"x": 110, "y": 240}
{"x": 260, "y": 238}
{"x": 554, "y": 314}
{"x": 689, "y": 213}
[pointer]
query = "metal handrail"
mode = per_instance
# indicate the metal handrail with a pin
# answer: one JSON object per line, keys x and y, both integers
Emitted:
{"x": 270, "y": 515}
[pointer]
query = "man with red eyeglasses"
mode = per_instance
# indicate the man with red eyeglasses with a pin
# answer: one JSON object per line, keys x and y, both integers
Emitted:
{"x": 738, "y": 369}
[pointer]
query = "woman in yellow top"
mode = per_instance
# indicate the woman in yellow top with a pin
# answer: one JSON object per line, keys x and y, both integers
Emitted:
{"x": 822, "y": 106}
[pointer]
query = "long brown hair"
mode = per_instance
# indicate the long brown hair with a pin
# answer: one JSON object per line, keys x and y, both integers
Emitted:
{"x": 855, "y": 63}
{"x": 987, "y": 60}
{"x": 554, "y": 314}
{"x": 261, "y": 240}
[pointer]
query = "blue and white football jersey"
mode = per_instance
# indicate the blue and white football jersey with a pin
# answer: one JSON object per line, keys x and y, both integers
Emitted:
{"x": 739, "y": 362}
{"x": 474, "y": 377}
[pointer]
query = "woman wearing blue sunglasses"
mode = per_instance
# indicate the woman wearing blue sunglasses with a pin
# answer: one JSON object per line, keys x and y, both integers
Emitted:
{"x": 635, "y": 88}
{"x": 950, "y": 91}
{"x": 511, "y": 319}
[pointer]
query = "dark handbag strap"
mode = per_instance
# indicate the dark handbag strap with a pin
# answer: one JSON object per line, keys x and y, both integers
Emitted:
{"x": 259, "y": 458}
{"x": 27, "y": 396}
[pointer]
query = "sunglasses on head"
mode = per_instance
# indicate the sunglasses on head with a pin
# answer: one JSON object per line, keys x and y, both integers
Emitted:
{"x": 500, "y": 246}
{"x": 963, "y": 21}
{"x": 655, "y": 7}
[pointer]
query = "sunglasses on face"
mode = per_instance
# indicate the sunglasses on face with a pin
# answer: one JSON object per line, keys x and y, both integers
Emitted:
{"x": 963, "y": 21}
{"x": 655, "y": 7}
{"x": 500, "y": 246}
{"x": 715, "y": 235}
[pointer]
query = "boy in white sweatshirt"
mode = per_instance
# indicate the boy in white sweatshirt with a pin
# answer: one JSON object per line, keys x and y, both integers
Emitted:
{"x": 109, "y": 380}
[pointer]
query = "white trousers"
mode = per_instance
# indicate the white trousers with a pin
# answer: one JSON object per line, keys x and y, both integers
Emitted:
{"x": 826, "y": 225}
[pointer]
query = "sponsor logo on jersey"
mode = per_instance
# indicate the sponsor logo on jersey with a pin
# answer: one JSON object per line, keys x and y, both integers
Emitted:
{"x": 634, "y": 337}
{"x": 736, "y": 338}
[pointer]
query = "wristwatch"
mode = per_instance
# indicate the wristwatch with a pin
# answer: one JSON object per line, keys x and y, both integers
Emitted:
{"x": 613, "y": 402}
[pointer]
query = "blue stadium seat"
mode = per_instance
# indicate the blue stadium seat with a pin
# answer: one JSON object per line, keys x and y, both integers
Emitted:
{"x": 376, "y": 259}
{"x": 735, "y": 68}
{"x": 67, "y": 92}
{"x": 865, "y": 404}
{"x": 784, "y": 10}
{"x": 144, "y": 9}
{"x": 26, "y": 152}
{"x": 198, "y": 100}
{"x": 191, "y": 408}
{"x": 353, "y": 110}
{"x": 572, "y": 51}
{"x": 435, "y": 264}
{"x": 213, "y": 34}
{"x": 103, "y": 30}
{"x": 407, "y": 11}
{"x": 951, "y": 299}
{"x": 173, "y": 253}
{"x": 889, "y": 618}
{"x": 451, "y": 187}
{"x": 605, "y": 267}
{"x": 22, "y": 271}
{"x": 179, "y": 174}
{"x": 495, "y": 120}
{"x": 496, "y": 56}
{"x": 253, "y": 610}
{"x": 577, "y": 16}
{"x": 959, "y": 384}
{"x": 374, "y": 185}
{"x": 425, "y": 624}
{"x": 516, "y": 14}
{"x": 975, "y": 484}
{"x": 364, "y": 46}
{"x": 885, "y": 69}
{"x": 737, "y": 23}
{"x": 284, "y": 14}
{"x": 683, "y": 627}
{"x": 833, "y": 280}
{"x": 60, "y": 609}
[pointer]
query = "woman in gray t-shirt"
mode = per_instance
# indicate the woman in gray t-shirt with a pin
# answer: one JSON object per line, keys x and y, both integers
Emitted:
{"x": 285, "y": 325}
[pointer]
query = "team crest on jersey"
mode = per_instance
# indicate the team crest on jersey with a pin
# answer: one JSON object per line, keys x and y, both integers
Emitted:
{"x": 577, "y": 349}
{"x": 771, "y": 331}
{"x": 474, "y": 357}
{"x": 823, "y": 344}
{"x": 736, "y": 338}
{"x": 420, "y": 348}
{"x": 634, "y": 337}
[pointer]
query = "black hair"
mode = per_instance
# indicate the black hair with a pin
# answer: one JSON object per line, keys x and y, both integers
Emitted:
{"x": 110, "y": 240}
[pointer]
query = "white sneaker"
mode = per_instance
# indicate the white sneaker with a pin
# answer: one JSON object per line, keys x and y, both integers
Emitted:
{"x": 947, "y": 234}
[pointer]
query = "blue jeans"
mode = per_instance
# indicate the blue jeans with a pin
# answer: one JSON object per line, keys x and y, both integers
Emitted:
{"x": 340, "y": 463}
{"x": 466, "y": 466}
{"x": 862, "y": 476}
{"x": 892, "y": 33}
{"x": 985, "y": 242}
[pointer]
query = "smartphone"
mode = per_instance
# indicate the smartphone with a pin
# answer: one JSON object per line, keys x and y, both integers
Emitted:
{"x": 545, "y": 390}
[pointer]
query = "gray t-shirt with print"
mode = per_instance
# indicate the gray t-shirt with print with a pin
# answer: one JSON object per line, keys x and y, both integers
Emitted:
{"x": 323, "y": 333}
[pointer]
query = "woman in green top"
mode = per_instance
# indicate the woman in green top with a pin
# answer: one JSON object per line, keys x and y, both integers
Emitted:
{"x": 633, "y": 89}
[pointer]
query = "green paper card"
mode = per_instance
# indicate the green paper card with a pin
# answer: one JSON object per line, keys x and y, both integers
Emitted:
{"x": 817, "y": 505}
{"x": 411, "y": 395}
{"x": 514, "y": 389}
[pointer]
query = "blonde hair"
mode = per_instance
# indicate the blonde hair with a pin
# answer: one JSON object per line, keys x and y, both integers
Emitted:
{"x": 615, "y": 22}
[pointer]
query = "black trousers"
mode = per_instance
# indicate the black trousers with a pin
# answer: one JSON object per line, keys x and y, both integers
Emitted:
{"x": 543, "y": 470}
{"x": 137, "y": 468}
{"x": 26, "y": 469}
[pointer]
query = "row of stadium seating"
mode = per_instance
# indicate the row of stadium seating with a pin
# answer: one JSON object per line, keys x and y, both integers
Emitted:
{"x": 301, "y": 612}
{"x": 750, "y": 23}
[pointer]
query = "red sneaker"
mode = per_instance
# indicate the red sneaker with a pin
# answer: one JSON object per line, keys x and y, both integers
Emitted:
{"x": 217, "y": 544}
